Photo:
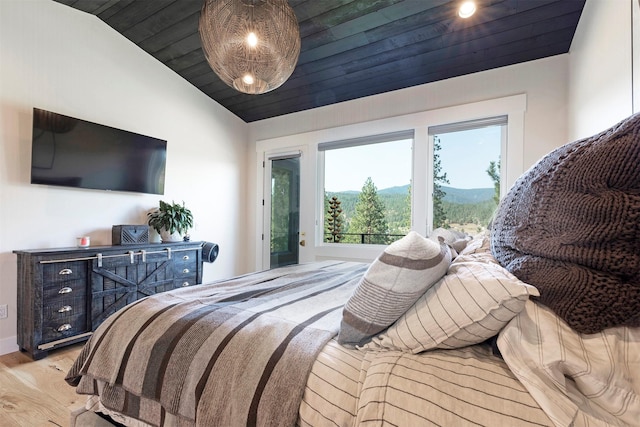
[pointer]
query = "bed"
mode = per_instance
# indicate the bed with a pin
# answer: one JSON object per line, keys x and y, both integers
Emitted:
{"x": 535, "y": 323}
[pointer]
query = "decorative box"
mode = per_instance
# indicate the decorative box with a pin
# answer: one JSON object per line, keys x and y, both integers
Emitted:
{"x": 129, "y": 234}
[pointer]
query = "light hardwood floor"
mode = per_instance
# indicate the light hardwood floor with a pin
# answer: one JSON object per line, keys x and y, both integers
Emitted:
{"x": 34, "y": 393}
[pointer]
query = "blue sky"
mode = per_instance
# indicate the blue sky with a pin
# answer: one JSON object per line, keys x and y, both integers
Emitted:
{"x": 388, "y": 165}
{"x": 464, "y": 156}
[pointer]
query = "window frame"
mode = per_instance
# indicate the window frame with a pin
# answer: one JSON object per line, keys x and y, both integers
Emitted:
{"x": 433, "y": 131}
{"x": 323, "y": 147}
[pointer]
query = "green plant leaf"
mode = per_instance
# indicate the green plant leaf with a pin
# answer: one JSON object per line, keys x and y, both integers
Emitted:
{"x": 171, "y": 217}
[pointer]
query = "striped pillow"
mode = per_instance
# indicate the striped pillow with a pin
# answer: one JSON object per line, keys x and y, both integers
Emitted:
{"x": 393, "y": 282}
{"x": 471, "y": 304}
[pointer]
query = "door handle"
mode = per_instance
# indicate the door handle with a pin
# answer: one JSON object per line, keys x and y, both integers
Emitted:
{"x": 303, "y": 242}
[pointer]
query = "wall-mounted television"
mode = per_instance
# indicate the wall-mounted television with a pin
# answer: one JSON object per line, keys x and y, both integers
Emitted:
{"x": 71, "y": 152}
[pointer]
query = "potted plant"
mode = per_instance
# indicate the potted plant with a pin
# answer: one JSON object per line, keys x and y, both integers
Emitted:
{"x": 171, "y": 221}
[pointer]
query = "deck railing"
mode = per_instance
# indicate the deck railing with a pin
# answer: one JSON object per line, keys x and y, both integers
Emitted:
{"x": 364, "y": 238}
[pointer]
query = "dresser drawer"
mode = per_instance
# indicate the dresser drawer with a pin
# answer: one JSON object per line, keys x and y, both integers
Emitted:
{"x": 61, "y": 308}
{"x": 188, "y": 257}
{"x": 63, "y": 325}
{"x": 183, "y": 282}
{"x": 59, "y": 272}
{"x": 71, "y": 289}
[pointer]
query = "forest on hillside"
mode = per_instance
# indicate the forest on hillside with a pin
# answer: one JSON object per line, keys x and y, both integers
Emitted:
{"x": 468, "y": 210}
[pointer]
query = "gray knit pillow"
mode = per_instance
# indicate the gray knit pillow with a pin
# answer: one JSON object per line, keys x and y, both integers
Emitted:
{"x": 570, "y": 226}
{"x": 392, "y": 284}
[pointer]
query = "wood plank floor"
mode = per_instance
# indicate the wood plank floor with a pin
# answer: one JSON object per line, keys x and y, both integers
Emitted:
{"x": 34, "y": 393}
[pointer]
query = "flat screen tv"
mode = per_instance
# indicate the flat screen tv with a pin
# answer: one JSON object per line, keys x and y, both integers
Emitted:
{"x": 71, "y": 152}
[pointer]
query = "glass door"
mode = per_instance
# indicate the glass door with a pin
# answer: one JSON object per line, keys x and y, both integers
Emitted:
{"x": 284, "y": 212}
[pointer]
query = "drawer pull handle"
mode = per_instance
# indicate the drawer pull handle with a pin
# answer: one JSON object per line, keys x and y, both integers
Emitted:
{"x": 65, "y": 308}
{"x": 185, "y": 284}
{"x": 65, "y": 290}
{"x": 65, "y": 271}
{"x": 64, "y": 327}
{"x": 186, "y": 257}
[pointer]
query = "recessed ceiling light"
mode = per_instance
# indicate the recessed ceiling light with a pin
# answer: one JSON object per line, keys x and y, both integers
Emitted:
{"x": 467, "y": 9}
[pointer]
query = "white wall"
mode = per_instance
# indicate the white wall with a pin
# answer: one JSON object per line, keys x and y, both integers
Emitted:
{"x": 63, "y": 60}
{"x": 543, "y": 81}
{"x": 600, "y": 68}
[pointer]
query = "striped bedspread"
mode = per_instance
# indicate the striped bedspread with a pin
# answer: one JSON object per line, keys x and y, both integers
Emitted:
{"x": 236, "y": 352}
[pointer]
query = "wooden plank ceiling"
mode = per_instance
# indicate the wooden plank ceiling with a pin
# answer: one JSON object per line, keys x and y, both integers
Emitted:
{"x": 354, "y": 48}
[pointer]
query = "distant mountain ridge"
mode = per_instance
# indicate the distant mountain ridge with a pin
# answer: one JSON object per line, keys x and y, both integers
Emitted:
{"x": 473, "y": 207}
{"x": 453, "y": 195}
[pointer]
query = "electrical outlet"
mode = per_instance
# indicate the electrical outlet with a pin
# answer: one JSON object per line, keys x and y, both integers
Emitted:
{"x": 3, "y": 311}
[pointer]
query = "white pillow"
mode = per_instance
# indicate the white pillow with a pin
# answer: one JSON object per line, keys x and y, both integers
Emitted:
{"x": 457, "y": 240}
{"x": 476, "y": 299}
{"x": 393, "y": 282}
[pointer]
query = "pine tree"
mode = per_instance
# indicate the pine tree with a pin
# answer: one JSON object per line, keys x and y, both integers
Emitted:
{"x": 369, "y": 219}
{"x": 439, "y": 177}
{"x": 333, "y": 219}
{"x": 494, "y": 174}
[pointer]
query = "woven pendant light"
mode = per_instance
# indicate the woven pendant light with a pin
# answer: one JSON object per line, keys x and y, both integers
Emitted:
{"x": 252, "y": 45}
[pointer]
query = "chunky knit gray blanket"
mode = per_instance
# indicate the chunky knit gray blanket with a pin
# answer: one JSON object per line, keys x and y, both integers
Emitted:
{"x": 571, "y": 227}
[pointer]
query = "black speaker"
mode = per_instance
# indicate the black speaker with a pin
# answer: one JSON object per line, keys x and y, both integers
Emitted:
{"x": 210, "y": 251}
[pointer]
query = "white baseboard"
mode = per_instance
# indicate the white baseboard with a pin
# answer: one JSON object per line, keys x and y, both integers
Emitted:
{"x": 8, "y": 345}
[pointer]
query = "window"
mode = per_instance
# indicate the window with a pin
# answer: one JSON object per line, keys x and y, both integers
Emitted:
{"x": 367, "y": 188}
{"x": 466, "y": 173}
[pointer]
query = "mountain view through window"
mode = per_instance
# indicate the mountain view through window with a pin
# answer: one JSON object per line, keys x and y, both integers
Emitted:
{"x": 367, "y": 197}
